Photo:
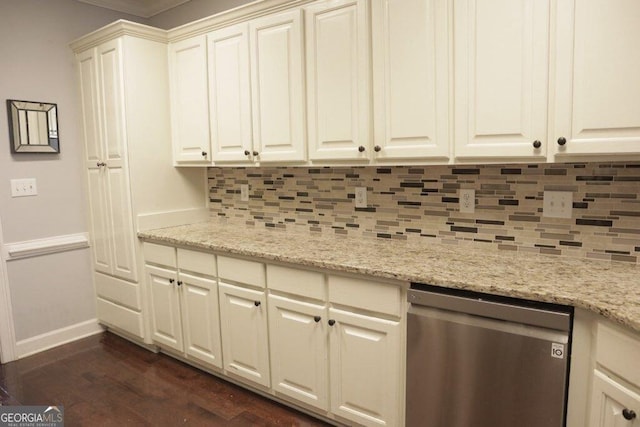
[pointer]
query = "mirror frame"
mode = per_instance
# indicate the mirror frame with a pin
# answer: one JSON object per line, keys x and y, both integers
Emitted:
{"x": 45, "y": 139}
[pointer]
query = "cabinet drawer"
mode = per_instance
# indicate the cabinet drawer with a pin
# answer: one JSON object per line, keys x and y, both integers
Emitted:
{"x": 119, "y": 291}
{"x": 619, "y": 352}
{"x": 241, "y": 271}
{"x": 120, "y": 317}
{"x": 365, "y": 294}
{"x": 306, "y": 283}
{"x": 197, "y": 262}
{"x": 159, "y": 254}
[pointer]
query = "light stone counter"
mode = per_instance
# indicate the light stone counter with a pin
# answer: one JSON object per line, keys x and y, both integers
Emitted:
{"x": 611, "y": 289}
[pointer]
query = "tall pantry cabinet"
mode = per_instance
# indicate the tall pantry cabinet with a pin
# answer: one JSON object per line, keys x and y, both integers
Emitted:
{"x": 131, "y": 183}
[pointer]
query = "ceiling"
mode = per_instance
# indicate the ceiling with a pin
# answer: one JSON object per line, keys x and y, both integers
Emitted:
{"x": 142, "y": 8}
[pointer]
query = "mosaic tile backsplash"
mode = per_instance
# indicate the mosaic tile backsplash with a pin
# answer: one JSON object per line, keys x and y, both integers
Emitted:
{"x": 407, "y": 202}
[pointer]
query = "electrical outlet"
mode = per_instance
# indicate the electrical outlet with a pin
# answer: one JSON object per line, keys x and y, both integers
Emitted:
{"x": 244, "y": 192}
{"x": 361, "y": 197}
{"x": 557, "y": 204}
{"x": 24, "y": 187}
{"x": 467, "y": 198}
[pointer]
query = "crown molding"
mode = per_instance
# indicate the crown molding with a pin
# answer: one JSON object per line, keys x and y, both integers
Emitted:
{"x": 202, "y": 26}
{"x": 232, "y": 16}
{"x": 117, "y": 29}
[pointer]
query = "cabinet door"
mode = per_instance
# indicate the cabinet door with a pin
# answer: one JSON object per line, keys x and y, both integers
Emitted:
{"x": 338, "y": 101}
{"x": 122, "y": 233}
{"x": 365, "y": 368}
{"x": 243, "y": 324}
{"x": 278, "y": 87}
{"x": 201, "y": 319}
{"x": 609, "y": 400}
{"x": 98, "y": 208}
{"x": 166, "y": 327}
{"x": 112, "y": 108}
{"x": 100, "y": 229}
{"x": 597, "y": 90}
{"x": 230, "y": 94}
{"x": 113, "y": 136}
{"x": 410, "y": 79}
{"x": 501, "y": 78}
{"x": 189, "y": 101}
{"x": 297, "y": 338}
{"x": 88, "y": 75}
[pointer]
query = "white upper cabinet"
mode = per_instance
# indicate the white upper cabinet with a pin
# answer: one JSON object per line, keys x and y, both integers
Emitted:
{"x": 338, "y": 69}
{"x": 411, "y": 79}
{"x": 277, "y": 76}
{"x": 501, "y": 78}
{"x": 230, "y": 94}
{"x": 597, "y": 89}
{"x": 256, "y": 91}
{"x": 189, "y": 101}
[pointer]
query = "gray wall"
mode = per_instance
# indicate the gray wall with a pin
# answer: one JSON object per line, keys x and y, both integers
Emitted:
{"x": 47, "y": 292}
{"x": 191, "y": 11}
{"x": 54, "y": 291}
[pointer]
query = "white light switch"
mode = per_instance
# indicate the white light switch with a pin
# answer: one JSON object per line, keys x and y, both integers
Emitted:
{"x": 557, "y": 204}
{"x": 23, "y": 187}
{"x": 467, "y": 199}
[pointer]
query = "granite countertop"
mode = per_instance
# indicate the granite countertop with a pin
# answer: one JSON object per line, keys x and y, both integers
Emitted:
{"x": 611, "y": 289}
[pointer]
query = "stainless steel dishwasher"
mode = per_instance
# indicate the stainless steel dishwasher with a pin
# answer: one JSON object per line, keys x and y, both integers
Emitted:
{"x": 475, "y": 360}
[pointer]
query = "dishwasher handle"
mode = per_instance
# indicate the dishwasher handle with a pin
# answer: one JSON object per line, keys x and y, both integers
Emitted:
{"x": 480, "y": 306}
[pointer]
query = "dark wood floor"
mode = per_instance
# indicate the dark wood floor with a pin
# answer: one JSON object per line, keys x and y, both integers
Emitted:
{"x": 105, "y": 380}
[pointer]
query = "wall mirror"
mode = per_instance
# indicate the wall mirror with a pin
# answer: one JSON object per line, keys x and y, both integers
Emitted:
{"x": 33, "y": 127}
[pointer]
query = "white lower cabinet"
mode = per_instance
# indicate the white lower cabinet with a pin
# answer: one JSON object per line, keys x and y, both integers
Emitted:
{"x": 613, "y": 405}
{"x": 361, "y": 360}
{"x": 200, "y": 320}
{"x": 184, "y": 305}
{"x": 299, "y": 359}
{"x": 166, "y": 325}
{"x": 365, "y": 368}
{"x": 243, "y": 316}
{"x": 244, "y": 333}
{"x": 347, "y": 360}
{"x": 615, "y": 389}
{"x": 330, "y": 344}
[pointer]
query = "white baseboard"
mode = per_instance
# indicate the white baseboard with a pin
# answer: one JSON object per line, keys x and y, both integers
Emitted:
{"x": 58, "y": 337}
